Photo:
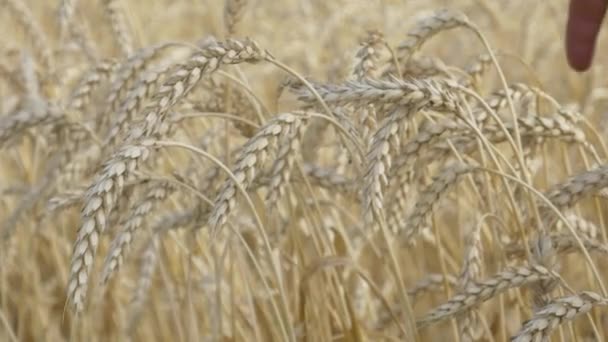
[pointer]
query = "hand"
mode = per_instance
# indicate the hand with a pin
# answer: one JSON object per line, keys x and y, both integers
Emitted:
{"x": 584, "y": 20}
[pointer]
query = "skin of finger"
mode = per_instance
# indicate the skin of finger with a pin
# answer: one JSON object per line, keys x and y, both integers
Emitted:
{"x": 584, "y": 20}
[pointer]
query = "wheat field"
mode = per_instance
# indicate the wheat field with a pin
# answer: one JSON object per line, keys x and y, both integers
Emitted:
{"x": 303, "y": 170}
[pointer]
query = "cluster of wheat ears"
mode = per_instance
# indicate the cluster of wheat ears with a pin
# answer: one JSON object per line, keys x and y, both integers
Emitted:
{"x": 260, "y": 171}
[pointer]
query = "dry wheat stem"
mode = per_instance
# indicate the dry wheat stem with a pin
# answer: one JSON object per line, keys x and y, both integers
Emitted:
{"x": 233, "y": 117}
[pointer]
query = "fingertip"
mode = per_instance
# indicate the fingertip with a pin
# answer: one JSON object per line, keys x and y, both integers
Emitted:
{"x": 579, "y": 57}
{"x": 584, "y": 20}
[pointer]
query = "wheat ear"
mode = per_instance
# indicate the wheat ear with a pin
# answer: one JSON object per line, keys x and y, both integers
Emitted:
{"x": 559, "y": 311}
{"x": 477, "y": 293}
{"x": 102, "y": 195}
